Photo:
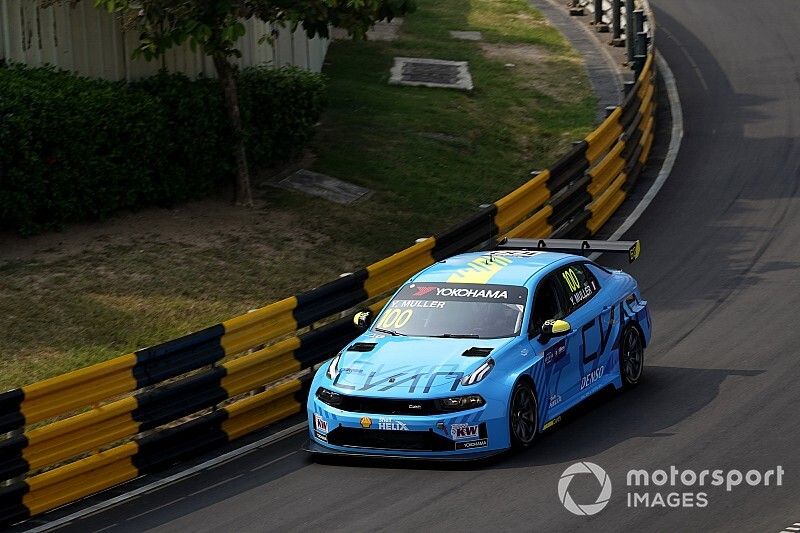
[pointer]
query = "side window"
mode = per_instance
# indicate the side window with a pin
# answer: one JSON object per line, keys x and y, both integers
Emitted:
{"x": 547, "y": 304}
{"x": 579, "y": 284}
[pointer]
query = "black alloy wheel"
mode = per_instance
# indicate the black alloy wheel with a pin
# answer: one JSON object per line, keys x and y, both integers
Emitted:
{"x": 631, "y": 356}
{"x": 523, "y": 415}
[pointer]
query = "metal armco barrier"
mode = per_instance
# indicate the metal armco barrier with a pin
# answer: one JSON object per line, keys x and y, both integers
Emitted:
{"x": 82, "y": 432}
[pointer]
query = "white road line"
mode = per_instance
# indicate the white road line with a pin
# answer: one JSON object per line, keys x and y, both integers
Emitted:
{"x": 176, "y": 500}
{"x": 669, "y": 160}
{"x": 280, "y": 435}
{"x": 115, "y": 524}
{"x": 265, "y": 465}
{"x": 215, "y": 485}
{"x": 689, "y": 58}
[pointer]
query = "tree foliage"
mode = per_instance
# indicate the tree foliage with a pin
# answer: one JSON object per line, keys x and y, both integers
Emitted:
{"x": 215, "y": 26}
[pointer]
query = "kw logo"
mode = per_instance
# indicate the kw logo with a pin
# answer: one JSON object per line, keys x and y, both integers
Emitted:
{"x": 480, "y": 270}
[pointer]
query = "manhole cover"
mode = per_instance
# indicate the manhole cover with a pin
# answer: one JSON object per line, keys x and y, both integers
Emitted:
{"x": 331, "y": 189}
{"x": 431, "y": 73}
{"x": 466, "y": 35}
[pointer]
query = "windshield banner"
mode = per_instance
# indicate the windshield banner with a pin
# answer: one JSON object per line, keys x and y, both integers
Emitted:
{"x": 466, "y": 292}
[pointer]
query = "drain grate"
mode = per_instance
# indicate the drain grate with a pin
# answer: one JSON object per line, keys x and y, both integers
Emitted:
{"x": 431, "y": 73}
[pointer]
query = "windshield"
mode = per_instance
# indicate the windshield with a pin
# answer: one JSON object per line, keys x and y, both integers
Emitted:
{"x": 454, "y": 310}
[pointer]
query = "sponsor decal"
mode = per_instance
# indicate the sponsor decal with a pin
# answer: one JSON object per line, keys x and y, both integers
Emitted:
{"x": 415, "y": 406}
{"x": 555, "y": 399}
{"x": 414, "y": 379}
{"x": 422, "y": 291}
{"x": 482, "y": 443}
{"x": 320, "y": 436}
{"x": 320, "y": 424}
{"x": 463, "y": 431}
{"x": 472, "y": 293}
{"x": 552, "y": 423}
{"x": 437, "y": 294}
{"x": 391, "y": 424}
{"x": 366, "y": 422}
{"x": 555, "y": 352}
{"x": 592, "y": 376}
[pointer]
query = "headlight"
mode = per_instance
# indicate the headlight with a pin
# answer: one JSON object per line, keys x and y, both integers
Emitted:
{"x": 329, "y": 397}
{"x": 460, "y": 403}
{"x": 333, "y": 368}
{"x": 480, "y": 373}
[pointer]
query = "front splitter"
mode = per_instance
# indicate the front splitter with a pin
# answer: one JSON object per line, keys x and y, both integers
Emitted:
{"x": 315, "y": 448}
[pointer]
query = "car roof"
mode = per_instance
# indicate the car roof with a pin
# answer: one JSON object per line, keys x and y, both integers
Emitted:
{"x": 500, "y": 267}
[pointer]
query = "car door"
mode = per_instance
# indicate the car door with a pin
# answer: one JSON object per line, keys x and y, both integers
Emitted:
{"x": 560, "y": 366}
{"x": 591, "y": 321}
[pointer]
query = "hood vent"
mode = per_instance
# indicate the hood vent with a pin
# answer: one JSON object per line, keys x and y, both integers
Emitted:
{"x": 477, "y": 352}
{"x": 362, "y": 347}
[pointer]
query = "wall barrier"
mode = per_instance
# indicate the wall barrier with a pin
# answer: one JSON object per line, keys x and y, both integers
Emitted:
{"x": 87, "y": 430}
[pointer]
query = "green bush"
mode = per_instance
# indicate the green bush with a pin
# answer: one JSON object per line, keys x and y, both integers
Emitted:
{"x": 73, "y": 148}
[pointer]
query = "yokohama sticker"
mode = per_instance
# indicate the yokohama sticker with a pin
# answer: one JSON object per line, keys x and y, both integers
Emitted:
{"x": 482, "y": 443}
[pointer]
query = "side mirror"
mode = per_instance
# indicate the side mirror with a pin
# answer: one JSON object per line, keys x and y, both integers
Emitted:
{"x": 362, "y": 319}
{"x": 554, "y": 328}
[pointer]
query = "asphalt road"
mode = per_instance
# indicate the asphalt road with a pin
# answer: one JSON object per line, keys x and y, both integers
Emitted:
{"x": 720, "y": 269}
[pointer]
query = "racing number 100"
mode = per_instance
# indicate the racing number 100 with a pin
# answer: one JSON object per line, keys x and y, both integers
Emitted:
{"x": 395, "y": 318}
{"x": 572, "y": 280}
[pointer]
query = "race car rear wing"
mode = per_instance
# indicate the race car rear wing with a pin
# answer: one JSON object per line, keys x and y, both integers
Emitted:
{"x": 572, "y": 246}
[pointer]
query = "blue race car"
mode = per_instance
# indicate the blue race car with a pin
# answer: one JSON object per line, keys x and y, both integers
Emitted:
{"x": 481, "y": 352}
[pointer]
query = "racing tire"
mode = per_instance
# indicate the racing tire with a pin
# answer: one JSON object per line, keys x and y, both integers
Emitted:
{"x": 631, "y": 357}
{"x": 523, "y": 416}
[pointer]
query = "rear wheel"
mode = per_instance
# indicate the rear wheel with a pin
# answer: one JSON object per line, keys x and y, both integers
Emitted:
{"x": 631, "y": 356}
{"x": 523, "y": 415}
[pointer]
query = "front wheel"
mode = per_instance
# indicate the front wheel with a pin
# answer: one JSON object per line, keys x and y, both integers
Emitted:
{"x": 523, "y": 415}
{"x": 631, "y": 356}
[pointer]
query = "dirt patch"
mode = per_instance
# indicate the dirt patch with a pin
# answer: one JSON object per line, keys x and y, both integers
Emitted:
{"x": 541, "y": 69}
{"x": 202, "y": 224}
{"x": 516, "y": 53}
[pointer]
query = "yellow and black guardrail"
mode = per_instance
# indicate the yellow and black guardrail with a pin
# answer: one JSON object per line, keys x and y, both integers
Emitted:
{"x": 87, "y": 430}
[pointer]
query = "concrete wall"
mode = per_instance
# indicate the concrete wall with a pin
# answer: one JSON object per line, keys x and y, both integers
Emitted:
{"x": 91, "y": 42}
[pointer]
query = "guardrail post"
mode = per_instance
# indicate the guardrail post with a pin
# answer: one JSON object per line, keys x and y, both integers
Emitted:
{"x": 489, "y": 244}
{"x": 630, "y": 30}
{"x": 599, "y": 17}
{"x": 627, "y": 86}
{"x": 610, "y": 109}
{"x": 616, "y": 23}
{"x": 10, "y": 435}
{"x": 640, "y": 42}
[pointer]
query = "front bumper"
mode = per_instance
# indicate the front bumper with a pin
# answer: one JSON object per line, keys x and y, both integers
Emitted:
{"x": 471, "y": 434}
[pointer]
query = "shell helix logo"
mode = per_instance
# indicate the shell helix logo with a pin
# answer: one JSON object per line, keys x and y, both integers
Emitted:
{"x": 588, "y": 509}
{"x": 366, "y": 422}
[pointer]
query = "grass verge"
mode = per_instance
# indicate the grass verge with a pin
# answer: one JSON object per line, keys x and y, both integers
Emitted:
{"x": 431, "y": 156}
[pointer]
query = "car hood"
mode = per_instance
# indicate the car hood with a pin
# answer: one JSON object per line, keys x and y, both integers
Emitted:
{"x": 400, "y": 367}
